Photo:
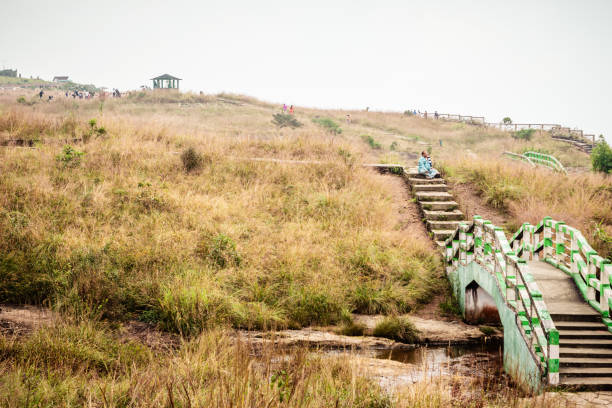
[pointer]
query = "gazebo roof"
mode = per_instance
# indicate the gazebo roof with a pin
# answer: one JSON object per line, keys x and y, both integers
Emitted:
{"x": 166, "y": 76}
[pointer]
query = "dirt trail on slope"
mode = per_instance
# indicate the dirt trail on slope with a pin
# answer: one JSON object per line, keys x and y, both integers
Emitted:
{"x": 406, "y": 211}
{"x": 470, "y": 203}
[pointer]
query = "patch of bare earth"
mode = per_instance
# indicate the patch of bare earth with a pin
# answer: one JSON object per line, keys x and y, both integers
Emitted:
{"x": 470, "y": 203}
{"x": 22, "y": 320}
{"x": 406, "y": 211}
{"x": 150, "y": 336}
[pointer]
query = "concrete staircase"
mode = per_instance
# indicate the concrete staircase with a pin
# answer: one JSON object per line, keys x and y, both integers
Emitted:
{"x": 437, "y": 205}
{"x": 585, "y": 344}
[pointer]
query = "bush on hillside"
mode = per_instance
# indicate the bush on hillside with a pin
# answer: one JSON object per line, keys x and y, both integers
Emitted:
{"x": 601, "y": 157}
{"x": 285, "y": 120}
{"x": 507, "y": 121}
{"x": 398, "y": 329}
{"x": 523, "y": 134}
{"x": 329, "y": 125}
{"x": 370, "y": 140}
{"x": 69, "y": 157}
{"x": 192, "y": 159}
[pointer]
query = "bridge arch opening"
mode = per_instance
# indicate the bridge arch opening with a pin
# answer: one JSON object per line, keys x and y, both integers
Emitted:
{"x": 480, "y": 306}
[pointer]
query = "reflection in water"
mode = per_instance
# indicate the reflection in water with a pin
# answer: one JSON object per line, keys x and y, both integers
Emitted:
{"x": 475, "y": 361}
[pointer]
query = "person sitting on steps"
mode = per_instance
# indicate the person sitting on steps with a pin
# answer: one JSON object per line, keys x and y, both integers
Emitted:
{"x": 425, "y": 168}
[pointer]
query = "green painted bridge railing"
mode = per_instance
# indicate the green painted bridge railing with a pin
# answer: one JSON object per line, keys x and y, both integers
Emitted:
{"x": 487, "y": 245}
{"x": 539, "y": 159}
{"x": 520, "y": 157}
{"x": 566, "y": 248}
{"x": 545, "y": 160}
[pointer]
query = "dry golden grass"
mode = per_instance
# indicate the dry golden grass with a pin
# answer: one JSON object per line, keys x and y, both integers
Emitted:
{"x": 123, "y": 231}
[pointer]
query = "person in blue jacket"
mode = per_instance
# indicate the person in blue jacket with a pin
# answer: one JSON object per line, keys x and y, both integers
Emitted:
{"x": 425, "y": 167}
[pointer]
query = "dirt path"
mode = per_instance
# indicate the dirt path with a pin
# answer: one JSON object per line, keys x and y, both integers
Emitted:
{"x": 470, "y": 203}
{"x": 406, "y": 211}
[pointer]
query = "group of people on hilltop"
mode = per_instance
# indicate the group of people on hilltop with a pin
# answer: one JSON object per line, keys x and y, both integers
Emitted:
{"x": 422, "y": 114}
{"x": 285, "y": 109}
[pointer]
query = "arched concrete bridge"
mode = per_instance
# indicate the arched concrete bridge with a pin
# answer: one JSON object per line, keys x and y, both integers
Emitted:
{"x": 546, "y": 285}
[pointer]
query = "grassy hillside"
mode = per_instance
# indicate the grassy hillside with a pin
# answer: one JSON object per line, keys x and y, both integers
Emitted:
{"x": 160, "y": 215}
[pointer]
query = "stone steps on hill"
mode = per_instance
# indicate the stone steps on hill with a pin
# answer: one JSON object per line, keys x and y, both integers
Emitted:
{"x": 437, "y": 205}
{"x": 433, "y": 196}
{"x": 585, "y": 344}
{"x": 429, "y": 187}
{"x": 452, "y": 215}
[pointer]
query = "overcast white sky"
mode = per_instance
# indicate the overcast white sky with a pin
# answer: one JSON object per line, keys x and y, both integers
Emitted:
{"x": 535, "y": 61}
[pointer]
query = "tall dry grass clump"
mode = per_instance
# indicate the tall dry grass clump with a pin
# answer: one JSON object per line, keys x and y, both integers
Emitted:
{"x": 88, "y": 365}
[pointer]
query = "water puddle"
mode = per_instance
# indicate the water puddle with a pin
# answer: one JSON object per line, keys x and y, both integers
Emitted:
{"x": 392, "y": 368}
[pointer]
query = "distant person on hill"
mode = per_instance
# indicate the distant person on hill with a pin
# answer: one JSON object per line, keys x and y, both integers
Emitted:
{"x": 348, "y": 118}
{"x": 425, "y": 115}
{"x": 436, "y": 114}
{"x": 425, "y": 168}
{"x": 291, "y": 110}
{"x": 40, "y": 94}
{"x": 284, "y": 108}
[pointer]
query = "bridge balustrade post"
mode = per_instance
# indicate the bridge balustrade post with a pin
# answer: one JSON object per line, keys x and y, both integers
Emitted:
{"x": 559, "y": 249}
{"x": 605, "y": 293}
{"x": 574, "y": 253}
{"x": 591, "y": 272}
{"x": 510, "y": 279}
{"x": 548, "y": 243}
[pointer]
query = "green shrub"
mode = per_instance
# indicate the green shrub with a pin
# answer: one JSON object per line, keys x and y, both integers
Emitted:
{"x": 308, "y": 307}
{"x": 507, "y": 121}
{"x": 523, "y": 134}
{"x": 220, "y": 250}
{"x": 393, "y": 146}
{"x": 601, "y": 157}
{"x": 21, "y": 100}
{"x": 352, "y": 329}
{"x": 285, "y": 120}
{"x": 370, "y": 140}
{"x": 192, "y": 160}
{"x": 69, "y": 157}
{"x": 398, "y": 329}
{"x": 329, "y": 125}
{"x": 369, "y": 300}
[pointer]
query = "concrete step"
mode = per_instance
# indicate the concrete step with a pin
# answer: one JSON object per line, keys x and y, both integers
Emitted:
{"x": 588, "y": 343}
{"x": 429, "y": 187}
{"x": 601, "y": 334}
{"x": 441, "y": 235}
{"x": 584, "y": 352}
{"x": 454, "y": 215}
{"x": 419, "y": 180}
{"x": 442, "y": 225}
{"x": 561, "y": 325}
{"x": 441, "y": 244}
{"x": 587, "y": 383}
{"x": 577, "y": 317}
{"x": 438, "y": 205}
{"x": 586, "y": 372}
{"x": 585, "y": 362}
{"x": 433, "y": 196}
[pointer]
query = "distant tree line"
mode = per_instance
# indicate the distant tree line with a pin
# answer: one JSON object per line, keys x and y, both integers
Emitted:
{"x": 9, "y": 73}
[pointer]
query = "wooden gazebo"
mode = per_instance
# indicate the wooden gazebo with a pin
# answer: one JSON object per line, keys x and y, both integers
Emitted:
{"x": 165, "y": 82}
